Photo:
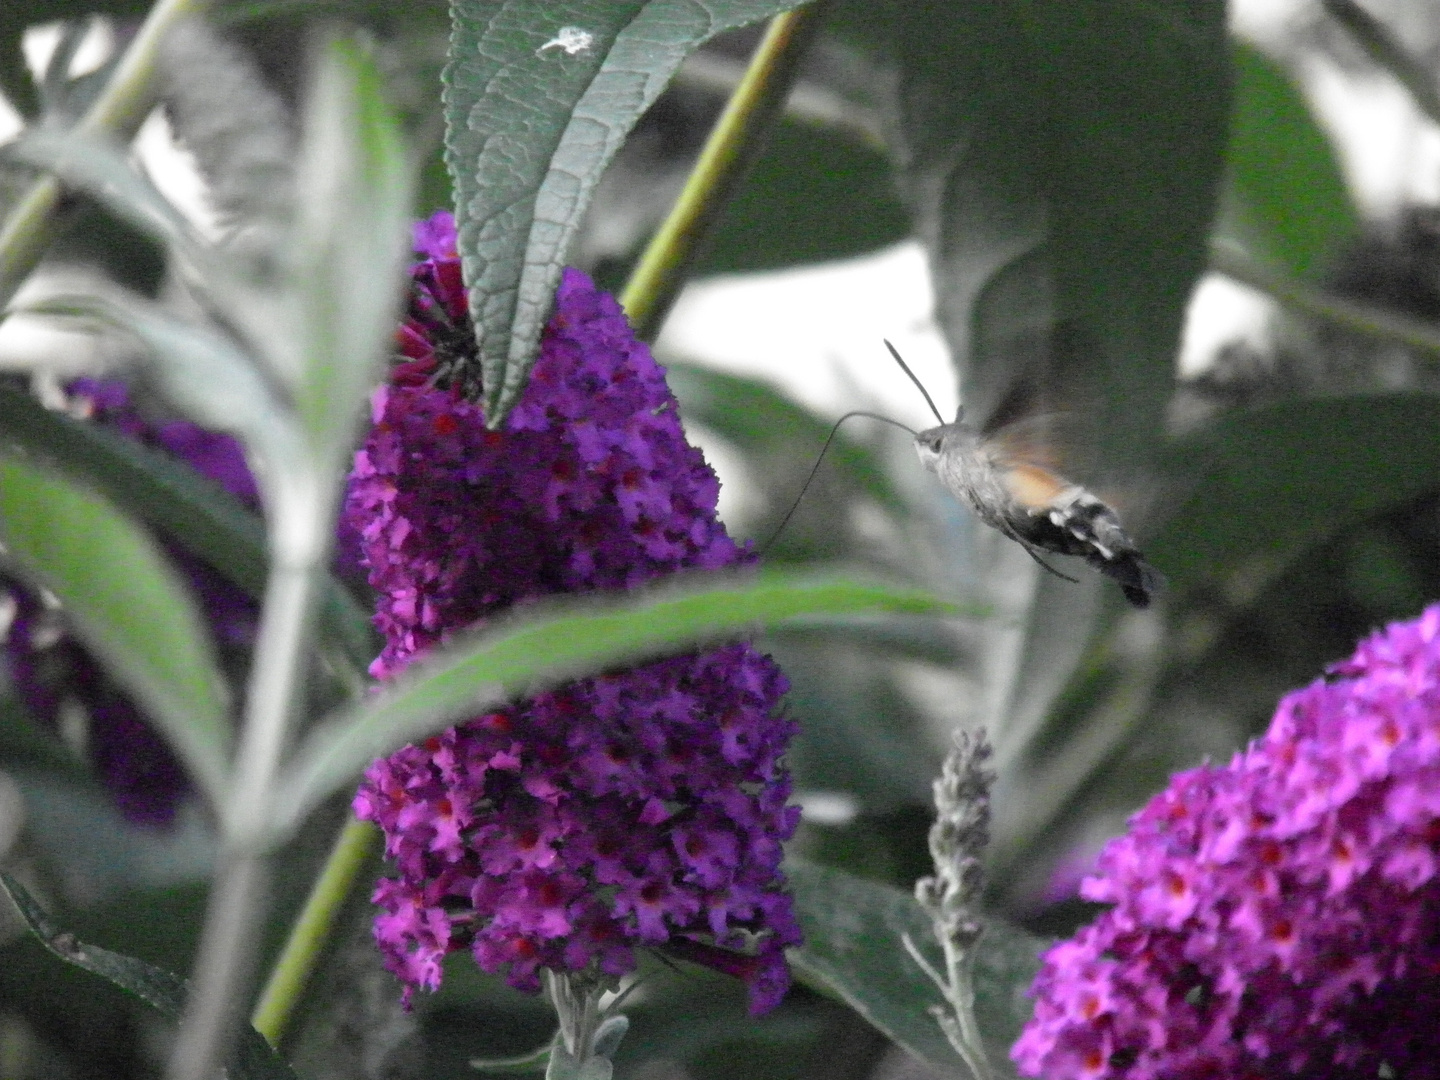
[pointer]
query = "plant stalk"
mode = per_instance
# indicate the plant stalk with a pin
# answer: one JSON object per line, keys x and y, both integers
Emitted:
{"x": 224, "y": 963}
{"x": 1352, "y": 315}
{"x": 733, "y": 146}
{"x": 288, "y": 978}
{"x": 237, "y": 904}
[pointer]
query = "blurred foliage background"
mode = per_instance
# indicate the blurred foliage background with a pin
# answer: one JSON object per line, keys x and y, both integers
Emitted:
{"x": 1072, "y": 171}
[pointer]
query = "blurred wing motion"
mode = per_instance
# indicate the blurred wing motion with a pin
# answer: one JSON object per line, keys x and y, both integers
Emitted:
{"x": 1011, "y": 483}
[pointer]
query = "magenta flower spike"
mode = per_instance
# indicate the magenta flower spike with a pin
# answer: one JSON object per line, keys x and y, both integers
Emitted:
{"x": 1278, "y": 916}
{"x": 640, "y": 808}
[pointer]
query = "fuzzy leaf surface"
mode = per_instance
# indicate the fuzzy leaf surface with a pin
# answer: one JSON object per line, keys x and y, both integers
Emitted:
{"x": 127, "y": 604}
{"x": 535, "y": 109}
{"x": 349, "y": 242}
{"x": 173, "y": 498}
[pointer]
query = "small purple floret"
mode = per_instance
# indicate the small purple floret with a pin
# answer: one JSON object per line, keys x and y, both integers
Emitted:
{"x": 1278, "y": 916}
{"x": 643, "y": 808}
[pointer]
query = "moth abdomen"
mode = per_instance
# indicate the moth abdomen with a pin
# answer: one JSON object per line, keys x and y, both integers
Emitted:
{"x": 1081, "y": 524}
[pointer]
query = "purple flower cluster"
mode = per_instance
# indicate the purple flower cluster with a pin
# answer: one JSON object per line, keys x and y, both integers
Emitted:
{"x": 1279, "y": 916}
{"x": 644, "y": 808}
{"x": 53, "y": 674}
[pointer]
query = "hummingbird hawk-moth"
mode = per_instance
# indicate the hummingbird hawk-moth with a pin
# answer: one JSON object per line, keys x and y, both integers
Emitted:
{"x": 1012, "y": 488}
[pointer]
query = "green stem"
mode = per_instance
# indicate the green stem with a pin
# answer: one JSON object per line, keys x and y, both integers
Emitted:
{"x": 1348, "y": 314}
{"x": 225, "y": 962}
{"x": 119, "y": 110}
{"x": 1383, "y": 48}
{"x": 292, "y": 971}
{"x": 733, "y": 146}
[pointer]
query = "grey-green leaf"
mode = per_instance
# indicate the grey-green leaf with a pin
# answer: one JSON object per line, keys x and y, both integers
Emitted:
{"x": 853, "y": 948}
{"x": 520, "y": 1065}
{"x": 1267, "y": 484}
{"x": 347, "y": 246}
{"x": 127, "y": 604}
{"x": 201, "y": 371}
{"x": 162, "y": 990}
{"x": 1075, "y": 148}
{"x": 1062, "y": 160}
{"x": 173, "y": 498}
{"x": 1287, "y": 202}
{"x": 549, "y": 645}
{"x": 99, "y": 166}
{"x": 535, "y": 110}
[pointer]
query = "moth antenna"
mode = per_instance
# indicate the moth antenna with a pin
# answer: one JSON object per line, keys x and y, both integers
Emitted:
{"x": 820, "y": 458}
{"x": 918, "y": 384}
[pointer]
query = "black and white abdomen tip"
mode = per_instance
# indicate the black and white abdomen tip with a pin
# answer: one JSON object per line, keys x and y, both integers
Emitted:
{"x": 1080, "y": 524}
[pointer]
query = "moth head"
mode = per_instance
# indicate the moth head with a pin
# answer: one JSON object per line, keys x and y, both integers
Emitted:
{"x": 930, "y": 445}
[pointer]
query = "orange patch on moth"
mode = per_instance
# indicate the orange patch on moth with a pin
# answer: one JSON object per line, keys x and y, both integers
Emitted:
{"x": 1033, "y": 487}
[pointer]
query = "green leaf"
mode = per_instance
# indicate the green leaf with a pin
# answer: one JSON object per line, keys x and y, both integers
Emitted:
{"x": 535, "y": 109}
{"x": 553, "y": 644}
{"x": 162, "y": 990}
{"x": 197, "y": 513}
{"x": 1074, "y": 147}
{"x": 1062, "y": 160}
{"x": 201, "y": 372}
{"x": 1287, "y": 202}
{"x": 1277, "y": 480}
{"x": 853, "y": 948}
{"x": 346, "y": 255}
{"x": 128, "y": 606}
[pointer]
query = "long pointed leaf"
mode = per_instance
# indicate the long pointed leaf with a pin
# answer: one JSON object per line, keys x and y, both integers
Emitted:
{"x": 535, "y": 110}
{"x": 162, "y": 990}
{"x": 201, "y": 372}
{"x": 98, "y": 165}
{"x": 1269, "y": 483}
{"x": 349, "y": 242}
{"x": 173, "y": 498}
{"x": 128, "y": 606}
{"x": 550, "y": 646}
{"x": 1287, "y": 199}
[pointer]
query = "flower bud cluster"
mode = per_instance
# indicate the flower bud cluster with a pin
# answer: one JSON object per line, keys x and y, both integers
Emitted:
{"x": 957, "y": 842}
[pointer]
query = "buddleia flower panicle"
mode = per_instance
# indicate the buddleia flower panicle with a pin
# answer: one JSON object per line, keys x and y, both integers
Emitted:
{"x": 638, "y": 808}
{"x": 55, "y": 676}
{"x": 1278, "y": 916}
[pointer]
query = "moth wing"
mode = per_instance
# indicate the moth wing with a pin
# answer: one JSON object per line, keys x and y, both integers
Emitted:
{"x": 1051, "y": 443}
{"x": 1042, "y": 456}
{"x": 1033, "y": 486}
